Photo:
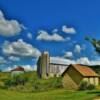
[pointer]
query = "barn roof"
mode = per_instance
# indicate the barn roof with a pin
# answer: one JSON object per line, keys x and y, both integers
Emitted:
{"x": 83, "y": 70}
{"x": 18, "y": 69}
{"x": 61, "y": 61}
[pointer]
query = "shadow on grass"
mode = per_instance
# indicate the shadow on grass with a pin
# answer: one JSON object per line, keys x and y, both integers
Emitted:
{"x": 94, "y": 92}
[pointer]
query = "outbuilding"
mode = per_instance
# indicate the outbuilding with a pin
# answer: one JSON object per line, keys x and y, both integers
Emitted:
{"x": 76, "y": 73}
{"x": 17, "y": 71}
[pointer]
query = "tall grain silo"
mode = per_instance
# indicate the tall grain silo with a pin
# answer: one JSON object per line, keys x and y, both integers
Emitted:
{"x": 43, "y": 65}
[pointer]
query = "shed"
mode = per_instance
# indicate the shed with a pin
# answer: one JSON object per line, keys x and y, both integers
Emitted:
{"x": 17, "y": 71}
{"x": 76, "y": 73}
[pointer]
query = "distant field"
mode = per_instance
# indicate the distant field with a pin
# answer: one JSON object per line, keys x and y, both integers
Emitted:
{"x": 59, "y": 94}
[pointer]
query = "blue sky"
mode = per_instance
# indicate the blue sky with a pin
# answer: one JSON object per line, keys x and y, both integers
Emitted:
{"x": 29, "y": 27}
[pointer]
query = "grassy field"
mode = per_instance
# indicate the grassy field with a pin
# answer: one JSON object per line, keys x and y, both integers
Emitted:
{"x": 59, "y": 94}
{"x": 50, "y": 90}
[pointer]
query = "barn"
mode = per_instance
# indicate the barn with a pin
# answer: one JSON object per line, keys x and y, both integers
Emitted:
{"x": 76, "y": 73}
{"x": 48, "y": 66}
{"x": 17, "y": 71}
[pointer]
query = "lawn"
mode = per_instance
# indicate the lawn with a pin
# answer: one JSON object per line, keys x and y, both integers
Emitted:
{"x": 59, "y": 94}
{"x": 52, "y": 90}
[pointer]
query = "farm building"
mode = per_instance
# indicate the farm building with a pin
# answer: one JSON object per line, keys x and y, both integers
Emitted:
{"x": 18, "y": 70}
{"x": 76, "y": 73}
{"x": 51, "y": 66}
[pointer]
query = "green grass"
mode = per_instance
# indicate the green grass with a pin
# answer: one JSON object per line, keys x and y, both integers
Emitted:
{"x": 49, "y": 90}
{"x": 59, "y": 94}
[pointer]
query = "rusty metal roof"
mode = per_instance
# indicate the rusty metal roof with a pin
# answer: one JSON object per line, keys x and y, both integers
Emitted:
{"x": 83, "y": 70}
{"x": 18, "y": 69}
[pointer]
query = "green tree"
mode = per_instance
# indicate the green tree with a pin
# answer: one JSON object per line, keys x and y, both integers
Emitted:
{"x": 95, "y": 43}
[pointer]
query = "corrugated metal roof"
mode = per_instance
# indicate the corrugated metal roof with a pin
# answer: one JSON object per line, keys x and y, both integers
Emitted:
{"x": 62, "y": 61}
{"x": 18, "y": 69}
{"x": 85, "y": 70}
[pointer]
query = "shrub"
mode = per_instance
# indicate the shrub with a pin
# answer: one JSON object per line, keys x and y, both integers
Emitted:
{"x": 44, "y": 85}
{"x": 84, "y": 85}
{"x": 20, "y": 80}
{"x": 8, "y": 83}
{"x": 57, "y": 83}
{"x": 36, "y": 85}
{"x": 91, "y": 87}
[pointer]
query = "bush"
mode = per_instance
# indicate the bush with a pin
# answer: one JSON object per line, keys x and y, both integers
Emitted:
{"x": 57, "y": 83}
{"x": 86, "y": 86}
{"x": 20, "y": 80}
{"x": 44, "y": 85}
{"x": 9, "y": 82}
{"x": 83, "y": 85}
{"x": 36, "y": 85}
{"x": 91, "y": 87}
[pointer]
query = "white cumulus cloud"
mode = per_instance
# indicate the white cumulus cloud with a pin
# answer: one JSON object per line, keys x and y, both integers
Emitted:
{"x": 29, "y": 35}
{"x": 27, "y": 67}
{"x": 35, "y": 67}
{"x": 81, "y": 60}
{"x": 69, "y": 30}
{"x": 78, "y": 48}
{"x": 13, "y": 58}
{"x": 61, "y": 60}
{"x": 86, "y": 61}
{"x": 20, "y": 48}
{"x": 68, "y": 38}
{"x": 55, "y": 31}
{"x": 2, "y": 60}
{"x": 43, "y": 35}
{"x": 9, "y": 27}
{"x": 68, "y": 54}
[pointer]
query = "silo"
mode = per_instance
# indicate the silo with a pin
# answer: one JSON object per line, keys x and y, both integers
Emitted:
{"x": 45, "y": 59}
